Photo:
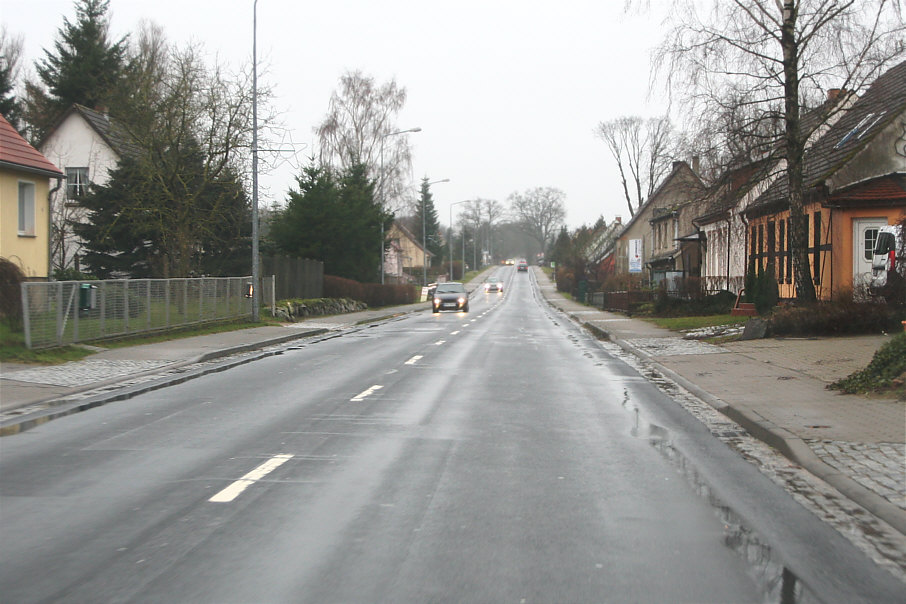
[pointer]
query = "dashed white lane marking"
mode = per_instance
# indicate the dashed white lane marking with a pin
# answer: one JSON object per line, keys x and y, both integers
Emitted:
{"x": 364, "y": 394}
{"x": 440, "y": 342}
{"x": 234, "y": 490}
{"x": 453, "y": 333}
{"x": 414, "y": 360}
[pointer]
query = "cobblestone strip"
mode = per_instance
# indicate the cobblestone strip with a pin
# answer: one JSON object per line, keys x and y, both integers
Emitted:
{"x": 880, "y": 467}
{"x": 883, "y": 544}
{"x": 673, "y": 346}
{"x": 80, "y": 373}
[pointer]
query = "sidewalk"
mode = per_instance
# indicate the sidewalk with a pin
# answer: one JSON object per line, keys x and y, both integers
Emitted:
{"x": 775, "y": 389}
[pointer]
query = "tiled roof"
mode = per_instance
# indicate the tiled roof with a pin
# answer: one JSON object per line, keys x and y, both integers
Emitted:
{"x": 884, "y": 101}
{"x": 110, "y": 129}
{"x": 16, "y": 152}
{"x": 732, "y": 186}
{"x": 890, "y": 189}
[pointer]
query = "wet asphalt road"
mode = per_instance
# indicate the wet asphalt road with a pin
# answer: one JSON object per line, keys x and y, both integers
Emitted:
{"x": 498, "y": 455}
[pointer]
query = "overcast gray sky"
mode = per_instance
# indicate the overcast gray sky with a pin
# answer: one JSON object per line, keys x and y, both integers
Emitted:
{"x": 507, "y": 92}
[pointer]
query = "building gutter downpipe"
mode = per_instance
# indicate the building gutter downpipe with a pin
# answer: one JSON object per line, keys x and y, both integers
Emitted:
{"x": 50, "y": 196}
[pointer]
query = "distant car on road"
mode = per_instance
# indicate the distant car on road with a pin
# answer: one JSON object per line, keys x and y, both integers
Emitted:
{"x": 522, "y": 266}
{"x": 450, "y": 296}
{"x": 493, "y": 285}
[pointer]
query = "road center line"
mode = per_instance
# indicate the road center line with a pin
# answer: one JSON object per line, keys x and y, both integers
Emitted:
{"x": 453, "y": 333}
{"x": 439, "y": 342}
{"x": 361, "y": 396}
{"x": 414, "y": 360}
{"x": 234, "y": 490}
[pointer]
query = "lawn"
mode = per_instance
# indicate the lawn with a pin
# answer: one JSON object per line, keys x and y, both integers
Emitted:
{"x": 687, "y": 323}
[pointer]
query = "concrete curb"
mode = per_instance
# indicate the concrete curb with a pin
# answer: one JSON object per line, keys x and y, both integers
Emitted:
{"x": 788, "y": 444}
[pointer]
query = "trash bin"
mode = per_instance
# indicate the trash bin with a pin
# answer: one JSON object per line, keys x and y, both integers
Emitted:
{"x": 88, "y": 296}
{"x": 583, "y": 289}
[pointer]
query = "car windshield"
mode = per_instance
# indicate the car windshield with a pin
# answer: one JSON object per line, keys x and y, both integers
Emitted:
{"x": 450, "y": 288}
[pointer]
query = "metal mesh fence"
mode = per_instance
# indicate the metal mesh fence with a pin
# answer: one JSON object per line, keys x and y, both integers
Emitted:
{"x": 64, "y": 312}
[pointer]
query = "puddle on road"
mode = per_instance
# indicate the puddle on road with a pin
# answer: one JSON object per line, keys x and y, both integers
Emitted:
{"x": 778, "y": 584}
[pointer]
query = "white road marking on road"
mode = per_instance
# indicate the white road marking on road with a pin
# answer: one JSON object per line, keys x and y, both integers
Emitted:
{"x": 439, "y": 342}
{"x": 360, "y": 397}
{"x": 234, "y": 490}
{"x": 414, "y": 360}
{"x": 453, "y": 333}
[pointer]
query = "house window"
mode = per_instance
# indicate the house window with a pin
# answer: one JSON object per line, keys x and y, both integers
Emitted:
{"x": 868, "y": 245}
{"x": 27, "y": 209}
{"x": 76, "y": 182}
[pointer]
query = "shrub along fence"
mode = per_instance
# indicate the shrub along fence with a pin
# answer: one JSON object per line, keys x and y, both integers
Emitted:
{"x": 625, "y": 301}
{"x": 372, "y": 294}
{"x": 64, "y": 312}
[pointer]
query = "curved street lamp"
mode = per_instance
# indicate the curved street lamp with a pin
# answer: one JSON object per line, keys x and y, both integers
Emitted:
{"x": 450, "y": 238}
{"x": 383, "y": 136}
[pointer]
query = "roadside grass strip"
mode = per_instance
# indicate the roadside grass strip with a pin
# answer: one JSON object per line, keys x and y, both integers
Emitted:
{"x": 234, "y": 490}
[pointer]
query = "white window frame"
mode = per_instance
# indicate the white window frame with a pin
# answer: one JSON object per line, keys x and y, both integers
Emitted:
{"x": 26, "y": 209}
{"x": 76, "y": 182}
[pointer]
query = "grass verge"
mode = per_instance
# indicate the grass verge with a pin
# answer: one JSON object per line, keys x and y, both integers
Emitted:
{"x": 13, "y": 349}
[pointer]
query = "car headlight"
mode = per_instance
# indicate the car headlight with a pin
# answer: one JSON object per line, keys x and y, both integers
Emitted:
{"x": 461, "y": 300}
{"x": 436, "y": 301}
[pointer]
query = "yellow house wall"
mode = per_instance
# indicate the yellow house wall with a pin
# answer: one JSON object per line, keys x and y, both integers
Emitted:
{"x": 412, "y": 254}
{"x": 30, "y": 253}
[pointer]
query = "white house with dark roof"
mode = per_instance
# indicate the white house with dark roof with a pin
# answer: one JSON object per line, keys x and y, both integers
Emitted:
{"x": 87, "y": 144}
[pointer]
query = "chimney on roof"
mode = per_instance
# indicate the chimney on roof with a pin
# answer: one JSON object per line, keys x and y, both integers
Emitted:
{"x": 618, "y": 219}
{"x": 833, "y": 94}
{"x": 696, "y": 164}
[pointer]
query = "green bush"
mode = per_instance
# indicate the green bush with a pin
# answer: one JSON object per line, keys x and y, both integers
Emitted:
{"x": 715, "y": 304}
{"x": 11, "y": 277}
{"x": 834, "y": 318}
{"x": 762, "y": 289}
{"x": 885, "y": 372}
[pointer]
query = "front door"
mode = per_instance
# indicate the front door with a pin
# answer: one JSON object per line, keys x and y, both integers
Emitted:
{"x": 865, "y": 234}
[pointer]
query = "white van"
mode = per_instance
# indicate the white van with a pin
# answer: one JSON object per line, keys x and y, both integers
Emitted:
{"x": 888, "y": 264}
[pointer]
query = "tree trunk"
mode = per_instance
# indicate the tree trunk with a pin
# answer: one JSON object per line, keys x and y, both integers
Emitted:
{"x": 795, "y": 149}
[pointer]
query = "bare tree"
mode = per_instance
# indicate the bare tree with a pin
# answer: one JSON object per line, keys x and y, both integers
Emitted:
{"x": 10, "y": 67}
{"x": 539, "y": 211}
{"x": 779, "y": 57}
{"x": 640, "y": 147}
{"x": 357, "y": 128}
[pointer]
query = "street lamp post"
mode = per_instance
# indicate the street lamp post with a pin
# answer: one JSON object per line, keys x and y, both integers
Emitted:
{"x": 383, "y": 136}
{"x": 255, "y": 260}
{"x": 425, "y": 235}
{"x": 450, "y": 239}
